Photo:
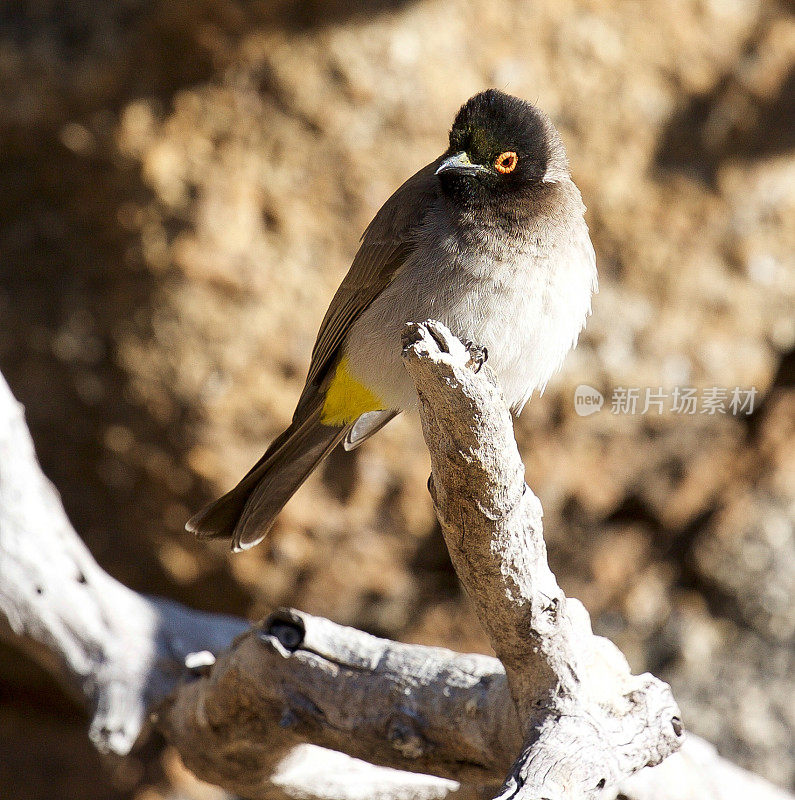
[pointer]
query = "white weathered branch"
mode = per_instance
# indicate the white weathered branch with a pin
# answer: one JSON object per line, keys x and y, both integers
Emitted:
{"x": 406, "y": 706}
{"x": 243, "y": 720}
{"x": 587, "y": 722}
{"x": 108, "y": 645}
{"x": 121, "y": 654}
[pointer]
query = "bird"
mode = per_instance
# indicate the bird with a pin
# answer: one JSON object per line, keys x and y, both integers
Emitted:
{"x": 490, "y": 239}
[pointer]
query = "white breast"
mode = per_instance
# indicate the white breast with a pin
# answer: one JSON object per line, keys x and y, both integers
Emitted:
{"x": 526, "y": 307}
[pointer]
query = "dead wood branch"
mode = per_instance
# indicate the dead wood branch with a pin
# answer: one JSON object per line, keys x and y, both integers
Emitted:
{"x": 241, "y": 713}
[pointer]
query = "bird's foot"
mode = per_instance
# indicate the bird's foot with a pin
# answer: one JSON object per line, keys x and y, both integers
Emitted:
{"x": 446, "y": 342}
{"x": 478, "y": 355}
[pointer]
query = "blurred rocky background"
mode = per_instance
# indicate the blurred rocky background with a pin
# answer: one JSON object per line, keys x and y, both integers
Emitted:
{"x": 183, "y": 184}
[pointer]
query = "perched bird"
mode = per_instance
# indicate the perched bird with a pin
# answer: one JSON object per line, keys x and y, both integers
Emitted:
{"x": 490, "y": 240}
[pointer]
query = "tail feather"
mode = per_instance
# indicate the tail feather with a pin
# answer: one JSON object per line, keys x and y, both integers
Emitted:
{"x": 247, "y": 513}
{"x": 289, "y": 468}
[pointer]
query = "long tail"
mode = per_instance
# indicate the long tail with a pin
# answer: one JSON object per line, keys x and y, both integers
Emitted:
{"x": 247, "y": 513}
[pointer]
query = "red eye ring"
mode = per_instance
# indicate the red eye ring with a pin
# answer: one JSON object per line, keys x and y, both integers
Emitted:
{"x": 506, "y": 162}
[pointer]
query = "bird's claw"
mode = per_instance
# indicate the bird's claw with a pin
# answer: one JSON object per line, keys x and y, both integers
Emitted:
{"x": 478, "y": 355}
{"x": 445, "y": 341}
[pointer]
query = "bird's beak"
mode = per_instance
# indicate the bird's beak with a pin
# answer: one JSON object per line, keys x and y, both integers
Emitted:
{"x": 461, "y": 164}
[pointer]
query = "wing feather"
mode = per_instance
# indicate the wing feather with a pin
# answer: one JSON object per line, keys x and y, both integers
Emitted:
{"x": 386, "y": 243}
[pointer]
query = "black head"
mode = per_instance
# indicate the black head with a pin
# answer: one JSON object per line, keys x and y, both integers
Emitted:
{"x": 501, "y": 148}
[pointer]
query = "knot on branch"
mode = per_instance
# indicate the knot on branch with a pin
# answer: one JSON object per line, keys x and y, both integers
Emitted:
{"x": 405, "y": 738}
{"x": 284, "y": 629}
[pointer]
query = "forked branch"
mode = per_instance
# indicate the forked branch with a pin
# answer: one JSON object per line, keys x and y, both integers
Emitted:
{"x": 560, "y": 712}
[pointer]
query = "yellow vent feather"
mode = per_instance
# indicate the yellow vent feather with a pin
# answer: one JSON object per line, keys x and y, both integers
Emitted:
{"x": 346, "y": 398}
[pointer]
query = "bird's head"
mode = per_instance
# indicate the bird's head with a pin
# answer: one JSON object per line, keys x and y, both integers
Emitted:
{"x": 501, "y": 148}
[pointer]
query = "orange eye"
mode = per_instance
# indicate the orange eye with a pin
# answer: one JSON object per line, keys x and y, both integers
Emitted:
{"x": 506, "y": 162}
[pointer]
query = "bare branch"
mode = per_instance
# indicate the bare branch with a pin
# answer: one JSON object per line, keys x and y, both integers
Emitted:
{"x": 301, "y": 678}
{"x": 587, "y": 722}
{"x": 107, "y": 644}
{"x": 121, "y": 654}
{"x": 241, "y": 717}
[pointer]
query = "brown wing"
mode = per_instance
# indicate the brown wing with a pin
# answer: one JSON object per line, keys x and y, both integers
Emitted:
{"x": 386, "y": 243}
